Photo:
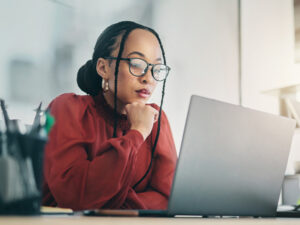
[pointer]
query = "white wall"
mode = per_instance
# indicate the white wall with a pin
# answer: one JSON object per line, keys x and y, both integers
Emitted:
{"x": 206, "y": 33}
{"x": 26, "y": 31}
{"x": 267, "y": 50}
{"x": 201, "y": 42}
{"x": 268, "y": 56}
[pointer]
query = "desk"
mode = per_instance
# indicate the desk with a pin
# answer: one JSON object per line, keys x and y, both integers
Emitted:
{"x": 82, "y": 220}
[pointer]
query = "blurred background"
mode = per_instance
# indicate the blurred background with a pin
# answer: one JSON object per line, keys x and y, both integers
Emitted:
{"x": 238, "y": 51}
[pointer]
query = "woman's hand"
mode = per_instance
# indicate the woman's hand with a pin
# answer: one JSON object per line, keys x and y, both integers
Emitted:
{"x": 141, "y": 117}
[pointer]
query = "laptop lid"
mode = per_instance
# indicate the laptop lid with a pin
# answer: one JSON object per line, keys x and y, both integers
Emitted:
{"x": 232, "y": 161}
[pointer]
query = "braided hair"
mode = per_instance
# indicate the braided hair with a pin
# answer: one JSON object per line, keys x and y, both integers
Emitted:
{"x": 88, "y": 79}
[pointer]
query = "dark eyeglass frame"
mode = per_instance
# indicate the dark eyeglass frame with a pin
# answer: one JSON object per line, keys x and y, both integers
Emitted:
{"x": 146, "y": 69}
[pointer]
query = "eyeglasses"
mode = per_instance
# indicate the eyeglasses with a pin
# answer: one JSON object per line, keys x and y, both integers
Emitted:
{"x": 139, "y": 67}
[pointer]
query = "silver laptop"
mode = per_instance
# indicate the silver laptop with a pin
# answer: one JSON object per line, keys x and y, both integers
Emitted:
{"x": 232, "y": 161}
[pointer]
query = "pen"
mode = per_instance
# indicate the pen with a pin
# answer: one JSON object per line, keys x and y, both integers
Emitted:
{"x": 37, "y": 116}
{"x": 4, "y": 112}
{"x": 37, "y": 119}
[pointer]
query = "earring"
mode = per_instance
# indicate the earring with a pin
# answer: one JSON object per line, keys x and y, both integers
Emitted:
{"x": 105, "y": 87}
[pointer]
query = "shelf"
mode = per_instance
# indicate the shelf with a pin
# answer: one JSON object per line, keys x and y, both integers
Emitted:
{"x": 284, "y": 91}
{"x": 288, "y": 100}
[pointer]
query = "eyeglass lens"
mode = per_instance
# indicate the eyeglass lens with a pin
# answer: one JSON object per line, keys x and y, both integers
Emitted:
{"x": 138, "y": 68}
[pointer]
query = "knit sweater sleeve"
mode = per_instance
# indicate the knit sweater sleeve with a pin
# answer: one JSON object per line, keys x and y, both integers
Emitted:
{"x": 73, "y": 179}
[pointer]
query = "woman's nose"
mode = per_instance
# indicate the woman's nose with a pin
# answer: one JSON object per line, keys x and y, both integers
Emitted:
{"x": 148, "y": 78}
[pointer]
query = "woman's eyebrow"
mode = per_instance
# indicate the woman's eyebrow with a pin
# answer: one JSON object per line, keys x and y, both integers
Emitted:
{"x": 140, "y": 54}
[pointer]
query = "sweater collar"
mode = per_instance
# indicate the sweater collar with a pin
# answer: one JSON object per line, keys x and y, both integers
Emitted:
{"x": 108, "y": 112}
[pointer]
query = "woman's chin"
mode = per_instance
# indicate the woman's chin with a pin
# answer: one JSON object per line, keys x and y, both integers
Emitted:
{"x": 142, "y": 100}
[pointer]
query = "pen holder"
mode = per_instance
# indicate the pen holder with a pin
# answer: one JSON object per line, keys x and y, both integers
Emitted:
{"x": 21, "y": 174}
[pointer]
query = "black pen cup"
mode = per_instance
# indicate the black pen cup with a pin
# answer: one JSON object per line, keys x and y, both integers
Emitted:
{"x": 26, "y": 150}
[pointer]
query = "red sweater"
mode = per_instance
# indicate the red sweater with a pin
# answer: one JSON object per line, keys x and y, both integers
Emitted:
{"x": 86, "y": 168}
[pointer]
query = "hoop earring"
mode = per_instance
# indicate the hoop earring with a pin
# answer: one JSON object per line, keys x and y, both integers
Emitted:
{"x": 105, "y": 87}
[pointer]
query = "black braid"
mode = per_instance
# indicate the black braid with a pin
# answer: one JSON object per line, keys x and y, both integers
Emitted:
{"x": 156, "y": 138}
{"x": 159, "y": 115}
{"x": 122, "y": 44}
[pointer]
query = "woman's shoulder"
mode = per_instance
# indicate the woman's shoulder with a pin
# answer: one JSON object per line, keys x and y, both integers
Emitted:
{"x": 71, "y": 99}
{"x": 70, "y": 103}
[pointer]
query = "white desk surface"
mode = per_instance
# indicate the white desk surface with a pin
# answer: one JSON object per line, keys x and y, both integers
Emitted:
{"x": 74, "y": 220}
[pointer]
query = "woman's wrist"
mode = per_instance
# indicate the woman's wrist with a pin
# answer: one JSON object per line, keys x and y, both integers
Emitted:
{"x": 141, "y": 130}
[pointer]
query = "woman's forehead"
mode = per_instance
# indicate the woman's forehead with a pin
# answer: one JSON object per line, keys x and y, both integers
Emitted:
{"x": 142, "y": 41}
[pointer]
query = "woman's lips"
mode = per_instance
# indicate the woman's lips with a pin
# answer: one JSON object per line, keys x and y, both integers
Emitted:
{"x": 143, "y": 93}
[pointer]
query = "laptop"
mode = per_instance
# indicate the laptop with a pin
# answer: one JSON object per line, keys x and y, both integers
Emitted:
{"x": 232, "y": 162}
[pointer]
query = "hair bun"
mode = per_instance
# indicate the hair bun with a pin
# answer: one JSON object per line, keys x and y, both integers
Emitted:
{"x": 88, "y": 79}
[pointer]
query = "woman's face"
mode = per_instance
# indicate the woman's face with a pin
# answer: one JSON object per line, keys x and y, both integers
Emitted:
{"x": 139, "y": 44}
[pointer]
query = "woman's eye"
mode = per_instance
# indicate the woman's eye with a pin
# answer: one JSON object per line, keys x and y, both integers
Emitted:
{"x": 136, "y": 65}
{"x": 160, "y": 70}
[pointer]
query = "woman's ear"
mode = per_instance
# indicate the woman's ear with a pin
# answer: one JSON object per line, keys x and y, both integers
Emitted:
{"x": 102, "y": 68}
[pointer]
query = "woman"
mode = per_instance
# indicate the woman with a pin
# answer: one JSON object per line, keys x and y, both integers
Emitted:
{"x": 109, "y": 149}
